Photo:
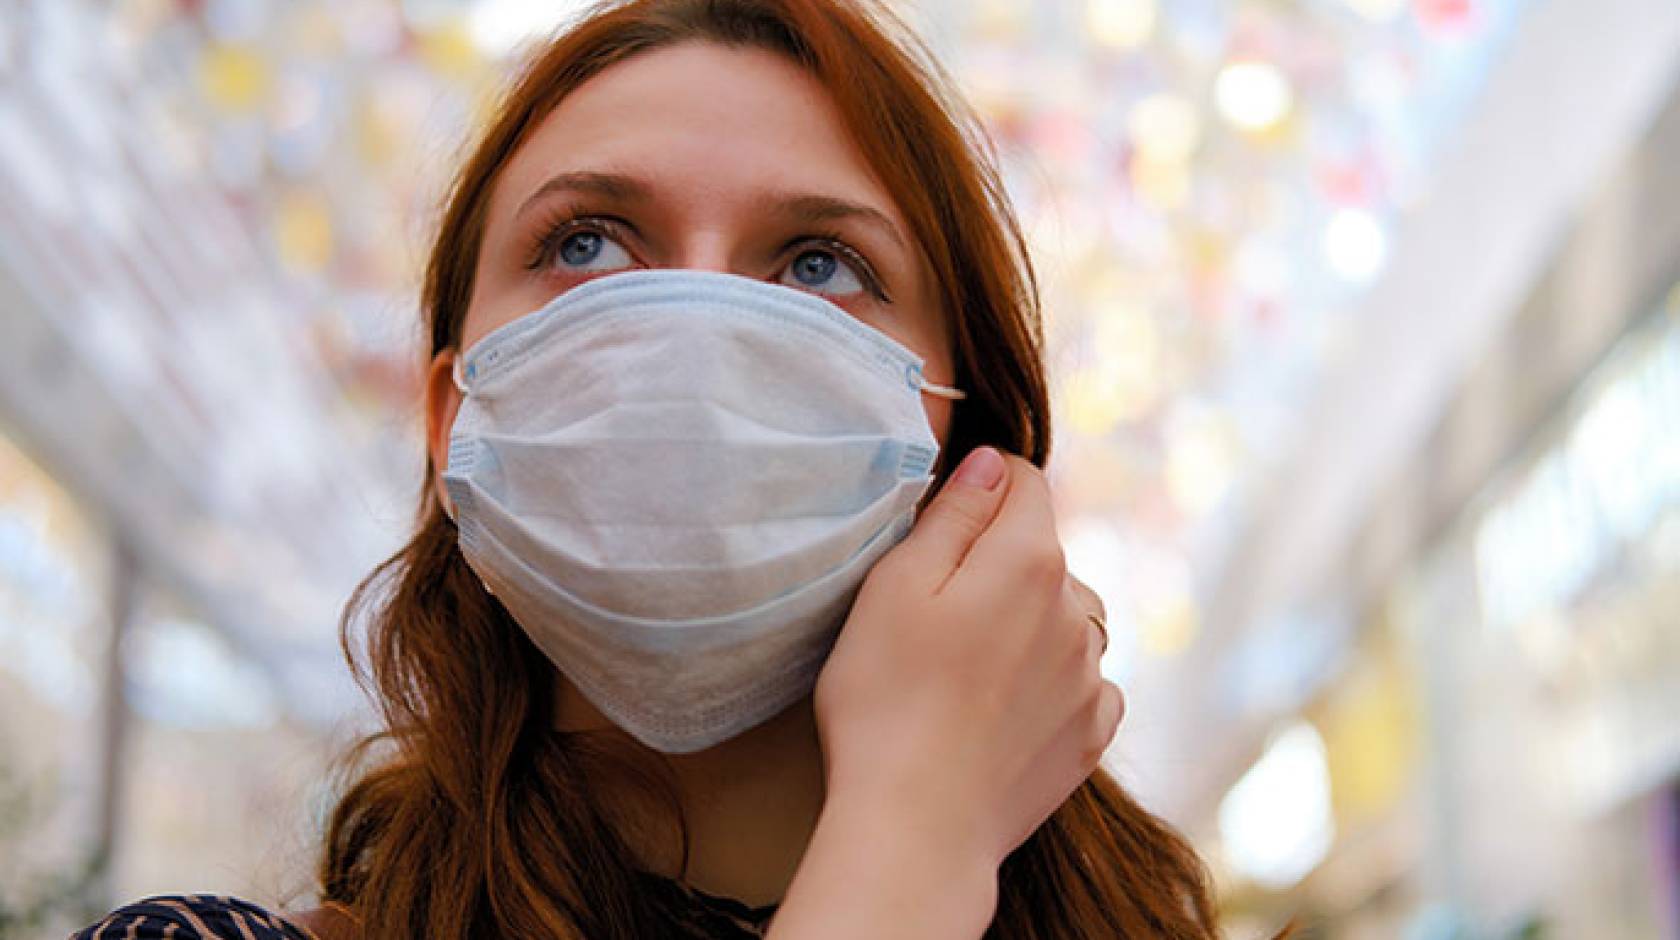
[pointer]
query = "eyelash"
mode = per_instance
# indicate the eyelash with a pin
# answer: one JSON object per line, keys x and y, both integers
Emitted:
{"x": 554, "y": 231}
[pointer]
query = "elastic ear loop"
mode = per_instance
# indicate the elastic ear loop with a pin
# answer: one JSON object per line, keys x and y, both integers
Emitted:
{"x": 461, "y": 384}
{"x": 949, "y": 392}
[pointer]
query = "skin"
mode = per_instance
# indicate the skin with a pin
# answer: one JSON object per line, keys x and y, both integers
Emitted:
{"x": 718, "y": 135}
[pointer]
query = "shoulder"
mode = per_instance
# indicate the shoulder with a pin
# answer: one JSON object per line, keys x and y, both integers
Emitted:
{"x": 193, "y": 917}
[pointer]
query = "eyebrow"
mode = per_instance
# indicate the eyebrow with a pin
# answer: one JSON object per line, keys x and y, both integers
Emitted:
{"x": 609, "y": 185}
{"x": 809, "y": 208}
{"x": 812, "y": 208}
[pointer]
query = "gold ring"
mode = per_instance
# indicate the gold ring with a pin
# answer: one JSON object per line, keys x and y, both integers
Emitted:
{"x": 1103, "y": 627}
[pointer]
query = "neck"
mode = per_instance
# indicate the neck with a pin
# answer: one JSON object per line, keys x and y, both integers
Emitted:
{"x": 751, "y": 803}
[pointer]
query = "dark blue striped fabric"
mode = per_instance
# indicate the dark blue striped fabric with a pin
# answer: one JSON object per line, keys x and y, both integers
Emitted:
{"x": 192, "y": 917}
{"x": 689, "y": 914}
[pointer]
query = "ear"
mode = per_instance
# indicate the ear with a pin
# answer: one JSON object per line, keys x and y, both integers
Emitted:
{"x": 443, "y": 400}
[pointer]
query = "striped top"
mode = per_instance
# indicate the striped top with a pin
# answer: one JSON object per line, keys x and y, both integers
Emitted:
{"x": 193, "y": 917}
{"x": 692, "y": 914}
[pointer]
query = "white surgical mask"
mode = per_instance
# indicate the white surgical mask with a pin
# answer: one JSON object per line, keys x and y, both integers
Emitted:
{"x": 676, "y": 480}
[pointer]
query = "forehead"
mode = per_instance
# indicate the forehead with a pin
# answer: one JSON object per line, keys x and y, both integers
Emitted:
{"x": 701, "y": 122}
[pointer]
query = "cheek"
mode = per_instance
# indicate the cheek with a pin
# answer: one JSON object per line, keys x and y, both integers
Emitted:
{"x": 939, "y": 411}
{"x": 939, "y": 418}
{"x": 939, "y": 408}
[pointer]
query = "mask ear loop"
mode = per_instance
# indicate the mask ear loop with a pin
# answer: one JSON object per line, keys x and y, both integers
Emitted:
{"x": 948, "y": 392}
{"x": 460, "y": 376}
{"x": 461, "y": 384}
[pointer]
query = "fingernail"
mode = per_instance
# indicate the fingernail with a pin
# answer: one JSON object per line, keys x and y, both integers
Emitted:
{"x": 983, "y": 467}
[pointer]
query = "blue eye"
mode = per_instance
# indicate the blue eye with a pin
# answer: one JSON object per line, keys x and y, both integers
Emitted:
{"x": 586, "y": 250}
{"x": 821, "y": 270}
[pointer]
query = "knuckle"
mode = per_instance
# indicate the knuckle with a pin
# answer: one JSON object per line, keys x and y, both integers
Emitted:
{"x": 1093, "y": 600}
{"x": 1045, "y": 564}
{"x": 1091, "y": 747}
{"x": 1051, "y": 548}
{"x": 1024, "y": 469}
{"x": 1081, "y": 646}
{"x": 1091, "y": 650}
{"x": 1084, "y": 702}
{"x": 1095, "y": 747}
{"x": 1100, "y": 726}
{"x": 1113, "y": 707}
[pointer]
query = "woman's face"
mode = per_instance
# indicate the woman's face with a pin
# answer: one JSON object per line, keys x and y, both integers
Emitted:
{"x": 707, "y": 157}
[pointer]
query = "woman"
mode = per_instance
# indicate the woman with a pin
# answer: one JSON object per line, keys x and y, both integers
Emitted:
{"x": 719, "y": 283}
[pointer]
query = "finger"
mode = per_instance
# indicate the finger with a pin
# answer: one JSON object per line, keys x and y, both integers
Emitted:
{"x": 1088, "y": 600}
{"x": 1110, "y": 712}
{"x": 1025, "y": 527}
{"x": 964, "y": 508}
{"x": 1084, "y": 613}
{"x": 1104, "y": 723}
{"x": 1096, "y": 638}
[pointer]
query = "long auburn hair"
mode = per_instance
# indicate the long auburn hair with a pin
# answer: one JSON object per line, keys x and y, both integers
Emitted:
{"x": 479, "y": 819}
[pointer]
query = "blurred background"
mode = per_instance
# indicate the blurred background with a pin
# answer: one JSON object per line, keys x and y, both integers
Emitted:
{"x": 1365, "y": 338}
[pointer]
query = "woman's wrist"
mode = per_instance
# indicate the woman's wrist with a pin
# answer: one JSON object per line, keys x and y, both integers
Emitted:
{"x": 868, "y": 872}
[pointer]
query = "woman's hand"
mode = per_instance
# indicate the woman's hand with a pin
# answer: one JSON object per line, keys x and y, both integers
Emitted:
{"x": 964, "y": 691}
{"x": 963, "y": 703}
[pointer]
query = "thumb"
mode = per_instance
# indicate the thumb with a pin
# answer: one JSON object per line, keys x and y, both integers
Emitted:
{"x": 956, "y": 517}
